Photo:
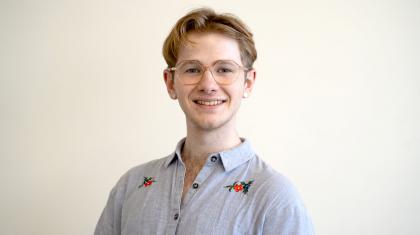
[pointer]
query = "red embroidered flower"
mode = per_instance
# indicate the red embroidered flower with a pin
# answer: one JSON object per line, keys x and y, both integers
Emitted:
{"x": 240, "y": 187}
{"x": 147, "y": 182}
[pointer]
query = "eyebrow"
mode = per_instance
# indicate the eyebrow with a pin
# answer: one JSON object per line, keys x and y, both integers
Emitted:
{"x": 197, "y": 61}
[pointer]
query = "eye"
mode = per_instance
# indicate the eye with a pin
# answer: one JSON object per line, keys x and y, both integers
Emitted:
{"x": 224, "y": 70}
{"x": 192, "y": 70}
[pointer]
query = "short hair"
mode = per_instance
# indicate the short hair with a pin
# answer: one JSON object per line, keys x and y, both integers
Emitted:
{"x": 207, "y": 20}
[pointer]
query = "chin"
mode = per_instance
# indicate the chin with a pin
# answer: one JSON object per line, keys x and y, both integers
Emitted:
{"x": 208, "y": 126}
{"x": 211, "y": 124}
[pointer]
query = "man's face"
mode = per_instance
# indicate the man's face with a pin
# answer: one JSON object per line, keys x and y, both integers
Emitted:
{"x": 208, "y": 105}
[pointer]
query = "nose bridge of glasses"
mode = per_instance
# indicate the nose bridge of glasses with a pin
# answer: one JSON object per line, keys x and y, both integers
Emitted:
{"x": 209, "y": 68}
{"x": 204, "y": 68}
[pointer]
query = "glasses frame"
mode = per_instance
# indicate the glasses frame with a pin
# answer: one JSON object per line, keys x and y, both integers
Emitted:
{"x": 205, "y": 68}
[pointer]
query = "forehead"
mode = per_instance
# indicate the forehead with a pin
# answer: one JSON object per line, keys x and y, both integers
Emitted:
{"x": 209, "y": 47}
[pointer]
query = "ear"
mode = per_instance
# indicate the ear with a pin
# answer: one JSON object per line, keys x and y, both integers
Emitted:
{"x": 169, "y": 82}
{"x": 249, "y": 82}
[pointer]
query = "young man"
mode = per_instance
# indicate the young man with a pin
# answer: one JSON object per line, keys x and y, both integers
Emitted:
{"x": 213, "y": 183}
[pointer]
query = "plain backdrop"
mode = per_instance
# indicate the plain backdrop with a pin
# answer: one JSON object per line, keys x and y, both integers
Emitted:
{"x": 336, "y": 107}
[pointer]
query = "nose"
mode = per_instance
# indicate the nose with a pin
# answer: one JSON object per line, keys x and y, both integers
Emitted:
{"x": 207, "y": 83}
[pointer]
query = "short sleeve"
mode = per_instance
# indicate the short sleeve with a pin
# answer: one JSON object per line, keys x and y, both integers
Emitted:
{"x": 110, "y": 220}
{"x": 289, "y": 219}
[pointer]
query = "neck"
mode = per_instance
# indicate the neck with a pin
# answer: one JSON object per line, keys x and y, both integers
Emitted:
{"x": 200, "y": 143}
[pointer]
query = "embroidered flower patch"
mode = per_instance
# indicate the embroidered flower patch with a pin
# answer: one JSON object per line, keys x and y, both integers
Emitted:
{"x": 147, "y": 182}
{"x": 240, "y": 186}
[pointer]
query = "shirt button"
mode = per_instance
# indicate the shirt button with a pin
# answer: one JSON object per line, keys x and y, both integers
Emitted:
{"x": 195, "y": 185}
{"x": 176, "y": 216}
{"x": 214, "y": 159}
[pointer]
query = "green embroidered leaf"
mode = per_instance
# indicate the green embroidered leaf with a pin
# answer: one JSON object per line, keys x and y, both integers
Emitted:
{"x": 240, "y": 187}
{"x": 147, "y": 182}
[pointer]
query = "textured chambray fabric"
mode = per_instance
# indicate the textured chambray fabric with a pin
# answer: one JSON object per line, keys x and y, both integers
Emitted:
{"x": 270, "y": 206}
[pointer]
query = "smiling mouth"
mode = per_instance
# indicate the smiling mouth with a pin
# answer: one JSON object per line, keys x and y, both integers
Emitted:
{"x": 209, "y": 102}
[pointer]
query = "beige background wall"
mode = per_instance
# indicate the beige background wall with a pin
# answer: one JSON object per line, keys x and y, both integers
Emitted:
{"x": 336, "y": 107}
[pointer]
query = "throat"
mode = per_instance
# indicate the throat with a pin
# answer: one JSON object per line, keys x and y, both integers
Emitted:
{"x": 191, "y": 172}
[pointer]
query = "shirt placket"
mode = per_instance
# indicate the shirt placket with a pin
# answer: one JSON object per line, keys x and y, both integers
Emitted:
{"x": 177, "y": 186}
{"x": 199, "y": 180}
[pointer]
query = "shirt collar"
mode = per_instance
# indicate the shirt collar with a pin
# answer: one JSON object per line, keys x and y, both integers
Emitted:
{"x": 230, "y": 158}
{"x": 176, "y": 154}
{"x": 238, "y": 155}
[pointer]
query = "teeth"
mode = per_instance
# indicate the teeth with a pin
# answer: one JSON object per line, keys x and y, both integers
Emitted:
{"x": 209, "y": 103}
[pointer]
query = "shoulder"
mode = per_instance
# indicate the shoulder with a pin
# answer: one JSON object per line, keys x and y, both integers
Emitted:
{"x": 134, "y": 177}
{"x": 271, "y": 182}
{"x": 273, "y": 190}
{"x": 284, "y": 208}
{"x": 148, "y": 168}
{"x": 110, "y": 220}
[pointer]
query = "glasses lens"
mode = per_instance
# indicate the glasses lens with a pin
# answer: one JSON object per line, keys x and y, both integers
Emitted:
{"x": 189, "y": 72}
{"x": 225, "y": 72}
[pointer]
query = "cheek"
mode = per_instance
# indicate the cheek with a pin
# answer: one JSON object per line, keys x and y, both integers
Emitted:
{"x": 235, "y": 98}
{"x": 182, "y": 93}
{"x": 237, "y": 92}
{"x": 180, "y": 90}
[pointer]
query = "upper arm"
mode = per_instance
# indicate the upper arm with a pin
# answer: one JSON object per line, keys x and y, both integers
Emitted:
{"x": 290, "y": 219}
{"x": 109, "y": 221}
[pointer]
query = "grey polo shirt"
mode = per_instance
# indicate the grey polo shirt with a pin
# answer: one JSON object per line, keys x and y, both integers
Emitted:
{"x": 234, "y": 193}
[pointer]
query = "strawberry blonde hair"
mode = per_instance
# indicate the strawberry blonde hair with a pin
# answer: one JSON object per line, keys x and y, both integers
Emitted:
{"x": 203, "y": 20}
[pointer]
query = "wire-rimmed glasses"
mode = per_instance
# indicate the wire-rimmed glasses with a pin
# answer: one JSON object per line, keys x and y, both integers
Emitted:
{"x": 224, "y": 72}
